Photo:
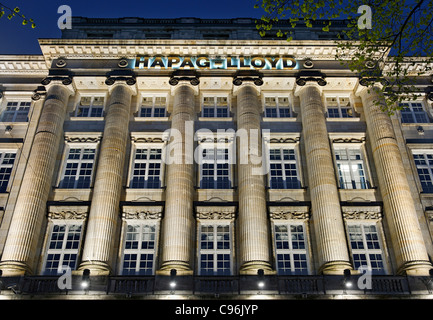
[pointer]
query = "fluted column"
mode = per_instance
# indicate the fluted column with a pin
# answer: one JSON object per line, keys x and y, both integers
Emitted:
{"x": 20, "y": 251}
{"x": 104, "y": 210}
{"x": 177, "y": 225}
{"x": 327, "y": 218}
{"x": 253, "y": 224}
{"x": 398, "y": 205}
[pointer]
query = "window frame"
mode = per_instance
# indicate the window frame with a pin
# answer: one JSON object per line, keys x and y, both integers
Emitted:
{"x": 68, "y": 223}
{"x": 290, "y": 251}
{"x": 12, "y": 166}
{"x": 19, "y": 101}
{"x": 350, "y": 110}
{"x": 154, "y": 97}
{"x": 278, "y": 108}
{"x": 366, "y": 251}
{"x": 214, "y": 252}
{"x": 139, "y": 251}
{"x": 429, "y": 168}
{"x": 82, "y": 146}
{"x": 90, "y": 107}
{"x": 148, "y": 146}
{"x": 215, "y": 105}
{"x": 346, "y": 147}
{"x": 296, "y": 161}
{"x": 413, "y": 114}
{"x": 229, "y": 161}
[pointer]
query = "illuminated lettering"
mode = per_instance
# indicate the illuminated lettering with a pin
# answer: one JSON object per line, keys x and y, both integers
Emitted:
{"x": 157, "y": 63}
{"x": 203, "y": 62}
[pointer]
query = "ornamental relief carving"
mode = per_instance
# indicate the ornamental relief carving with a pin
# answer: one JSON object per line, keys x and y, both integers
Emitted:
{"x": 147, "y": 139}
{"x": 83, "y": 139}
{"x": 289, "y": 212}
{"x": 67, "y": 215}
{"x": 287, "y": 215}
{"x": 216, "y": 213}
{"x": 362, "y": 215}
{"x": 142, "y": 215}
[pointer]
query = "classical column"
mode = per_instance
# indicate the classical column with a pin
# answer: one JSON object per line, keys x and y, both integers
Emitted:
{"x": 327, "y": 218}
{"x": 398, "y": 205}
{"x": 252, "y": 220}
{"x": 177, "y": 225}
{"x": 21, "y": 248}
{"x": 104, "y": 210}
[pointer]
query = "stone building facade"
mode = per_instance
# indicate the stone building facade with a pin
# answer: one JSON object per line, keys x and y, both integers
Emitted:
{"x": 131, "y": 148}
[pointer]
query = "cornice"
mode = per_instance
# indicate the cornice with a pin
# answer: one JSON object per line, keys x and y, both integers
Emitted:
{"x": 130, "y": 48}
{"x": 23, "y": 64}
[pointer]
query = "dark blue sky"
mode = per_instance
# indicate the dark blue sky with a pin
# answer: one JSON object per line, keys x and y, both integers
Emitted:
{"x": 18, "y": 39}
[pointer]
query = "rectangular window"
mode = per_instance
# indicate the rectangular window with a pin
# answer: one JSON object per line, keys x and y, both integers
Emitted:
{"x": 339, "y": 107}
{"x": 78, "y": 169}
{"x": 16, "y": 111}
{"x": 146, "y": 171}
{"x": 215, "y": 169}
{"x": 291, "y": 249}
{"x": 215, "y": 249}
{"x": 277, "y": 107}
{"x": 7, "y": 159}
{"x": 366, "y": 247}
{"x": 283, "y": 169}
{"x": 351, "y": 169}
{"x": 63, "y": 247}
{"x": 153, "y": 106}
{"x": 424, "y": 167}
{"x": 139, "y": 249}
{"x": 413, "y": 112}
{"x": 90, "y": 107}
{"x": 215, "y": 107}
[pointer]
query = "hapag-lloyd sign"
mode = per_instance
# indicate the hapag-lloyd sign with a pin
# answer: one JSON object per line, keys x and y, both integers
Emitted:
{"x": 205, "y": 62}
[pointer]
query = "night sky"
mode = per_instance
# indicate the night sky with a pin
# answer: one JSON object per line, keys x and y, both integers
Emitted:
{"x": 18, "y": 39}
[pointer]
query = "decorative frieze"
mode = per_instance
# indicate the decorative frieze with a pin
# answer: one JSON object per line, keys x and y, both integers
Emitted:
{"x": 373, "y": 212}
{"x": 216, "y": 212}
{"x": 142, "y": 213}
{"x": 87, "y": 139}
{"x": 289, "y": 212}
{"x": 68, "y": 215}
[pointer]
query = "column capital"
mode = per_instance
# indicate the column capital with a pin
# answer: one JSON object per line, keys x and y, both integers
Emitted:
{"x": 128, "y": 82}
{"x": 175, "y": 85}
{"x": 250, "y": 84}
{"x": 300, "y": 88}
{"x": 64, "y": 81}
{"x": 366, "y": 89}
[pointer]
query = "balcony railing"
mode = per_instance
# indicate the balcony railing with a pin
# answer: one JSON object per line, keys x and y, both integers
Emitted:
{"x": 217, "y": 286}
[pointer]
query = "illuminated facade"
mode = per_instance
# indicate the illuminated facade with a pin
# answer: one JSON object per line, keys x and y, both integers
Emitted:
{"x": 131, "y": 148}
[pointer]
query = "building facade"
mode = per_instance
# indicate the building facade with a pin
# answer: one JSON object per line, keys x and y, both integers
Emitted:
{"x": 146, "y": 150}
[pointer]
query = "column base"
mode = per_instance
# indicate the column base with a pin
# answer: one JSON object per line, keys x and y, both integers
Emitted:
{"x": 415, "y": 268}
{"x": 14, "y": 268}
{"x": 335, "y": 267}
{"x": 96, "y": 268}
{"x": 182, "y": 268}
{"x": 252, "y": 268}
